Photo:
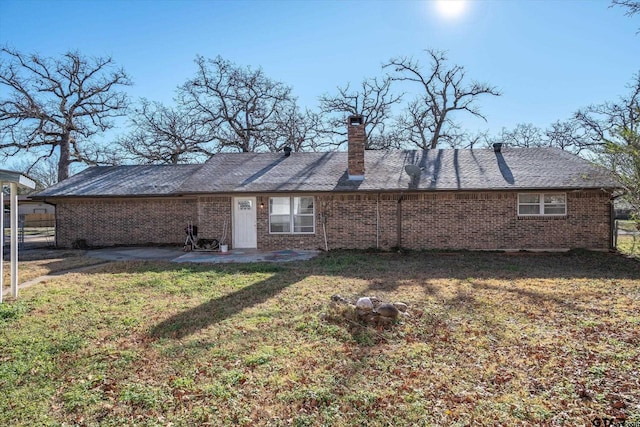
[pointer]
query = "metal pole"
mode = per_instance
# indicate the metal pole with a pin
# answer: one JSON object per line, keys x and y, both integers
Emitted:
{"x": 14, "y": 238}
{"x": 1, "y": 239}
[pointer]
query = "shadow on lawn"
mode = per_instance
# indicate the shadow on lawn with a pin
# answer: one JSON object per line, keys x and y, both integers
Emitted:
{"x": 388, "y": 272}
{"x": 197, "y": 318}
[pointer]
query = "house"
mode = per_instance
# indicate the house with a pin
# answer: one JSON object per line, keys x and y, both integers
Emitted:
{"x": 32, "y": 213}
{"x": 26, "y": 206}
{"x": 483, "y": 199}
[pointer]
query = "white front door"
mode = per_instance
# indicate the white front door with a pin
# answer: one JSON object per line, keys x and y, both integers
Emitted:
{"x": 244, "y": 222}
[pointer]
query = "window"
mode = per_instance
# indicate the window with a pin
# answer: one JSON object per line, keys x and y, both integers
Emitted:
{"x": 539, "y": 204}
{"x": 292, "y": 215}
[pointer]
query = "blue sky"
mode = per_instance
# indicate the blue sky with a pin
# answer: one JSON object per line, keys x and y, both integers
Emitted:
{"x": 549, "y": 58}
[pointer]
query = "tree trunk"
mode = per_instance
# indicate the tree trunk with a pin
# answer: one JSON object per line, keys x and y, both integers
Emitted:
{"x": 436, "y": 135}
{"x": 65, "y": 158}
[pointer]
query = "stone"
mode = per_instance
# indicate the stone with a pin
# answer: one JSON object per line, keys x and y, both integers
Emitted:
{"x": 364, "y": 304}
{"x": 388, "y": 310}
{"x": 384, "y": 321}
{"x": 370, "y": 318}
{"x": 339, "y": 299}
{"x": 401, "y": 306}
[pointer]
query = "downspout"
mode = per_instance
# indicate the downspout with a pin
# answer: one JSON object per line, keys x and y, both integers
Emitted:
{"x": 399, "y": 222}
{"x": 323, "y": 218}
{"x": 324, "y": 231}
{"x": 613, "y": 230}
{"x": 378, "y": 221}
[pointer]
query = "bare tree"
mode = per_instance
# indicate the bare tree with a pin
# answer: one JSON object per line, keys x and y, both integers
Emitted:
{"x": 524, "y": 135}
{"x": 55, "y": 105}
{"x": 238, "y": 105}
{"x": 164, "y": 135}
{"x": 632, "y": 7}
{"x": 624, "y": 161}
{"x": 44, "y": 172}
{"x": 615, "y": 126}
{"x": 428, "y": 120}
{"x": 567, "y": 135}
{"x": 473, "y": 140}
{"x": 604, "y": 121}
{"x": 299, "y": 130}
{"x": 373, "y": 101}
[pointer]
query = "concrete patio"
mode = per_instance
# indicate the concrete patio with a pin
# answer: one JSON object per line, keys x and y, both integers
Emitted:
{"x": 174, "y": 254}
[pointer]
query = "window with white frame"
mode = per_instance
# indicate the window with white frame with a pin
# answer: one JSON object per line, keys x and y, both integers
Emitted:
{"x": 542, "y": 204}
{"x": 291, "y": 215}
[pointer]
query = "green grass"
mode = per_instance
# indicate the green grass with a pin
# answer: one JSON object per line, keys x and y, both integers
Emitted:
{"x": 629, "y": 244}
{"x": 33, "y": 231}
{"x": 36, "y": 263}
{"x": 493, "y": 339}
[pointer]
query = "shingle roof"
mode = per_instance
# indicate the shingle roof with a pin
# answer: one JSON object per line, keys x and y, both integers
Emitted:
{"x": 445, "y": 169}
{"x": 98, "y": 181}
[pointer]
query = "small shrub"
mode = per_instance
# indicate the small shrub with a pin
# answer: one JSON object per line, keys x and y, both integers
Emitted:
{"x": 141, "y": 395}
{"x": 80, "y": 244}
{"x": 258, "y": 359}
{"x": 12, "y": 312}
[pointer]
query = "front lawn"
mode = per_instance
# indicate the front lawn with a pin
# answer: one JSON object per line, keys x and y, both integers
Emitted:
{"x": 629, "y": 244}
{"x": 493, "y": 339}
{"x": 41, "y": 262}
{"x": 628, "y": 241}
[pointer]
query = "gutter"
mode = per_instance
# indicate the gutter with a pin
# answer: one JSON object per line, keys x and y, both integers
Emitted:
{"x": 378, "y": 191}
{"x": 399, "y": 222}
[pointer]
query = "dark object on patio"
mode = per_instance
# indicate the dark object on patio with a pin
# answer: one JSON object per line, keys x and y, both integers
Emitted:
{"x": 207, "y": 244}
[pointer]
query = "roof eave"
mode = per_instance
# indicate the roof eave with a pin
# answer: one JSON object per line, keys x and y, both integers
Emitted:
{"x": 320, "y": 190}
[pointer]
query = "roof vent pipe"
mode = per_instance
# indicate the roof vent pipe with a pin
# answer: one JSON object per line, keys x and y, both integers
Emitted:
{"x": 497, "y": 147}
{"x": 287, "y": 151}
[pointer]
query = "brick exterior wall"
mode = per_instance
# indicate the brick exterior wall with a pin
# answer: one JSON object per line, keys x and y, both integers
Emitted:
{"x": 214, "y": 214}
{"x": 446, "y": 220}
{"x": 114, "y": 222}
{"x": 442, "y": 220}
{"x": 488, "y": 220}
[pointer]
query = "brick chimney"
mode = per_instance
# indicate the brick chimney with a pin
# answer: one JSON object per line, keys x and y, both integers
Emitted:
{"x": 357, "y": 139}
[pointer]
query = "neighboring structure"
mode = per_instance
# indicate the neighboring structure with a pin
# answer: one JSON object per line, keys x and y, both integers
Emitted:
{"x": 32, "y": 213}
{"x": 622, "y": 209}
{"x": 487, "y": 199}
{"x": 26, "y": 206}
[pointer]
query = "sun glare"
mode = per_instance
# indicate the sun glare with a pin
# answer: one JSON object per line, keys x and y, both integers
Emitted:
{"x": 451, "y": 8}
